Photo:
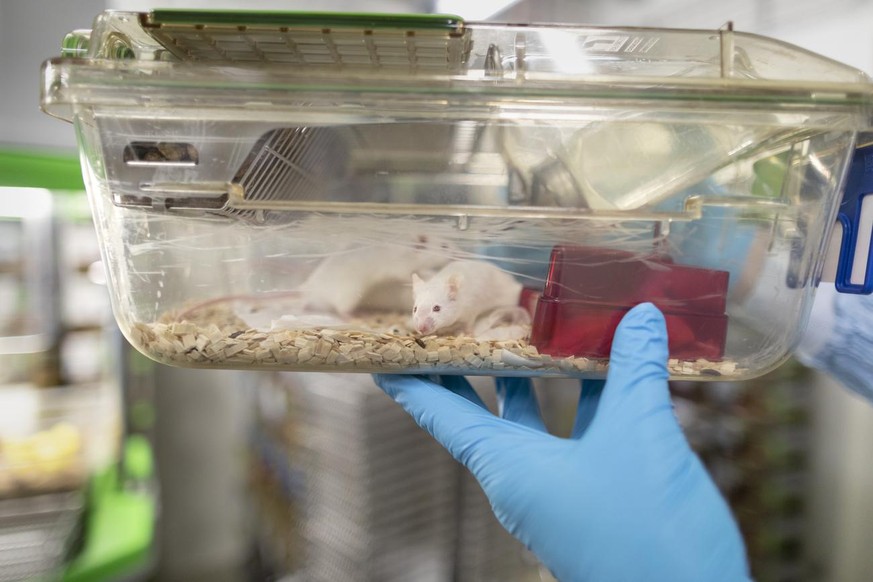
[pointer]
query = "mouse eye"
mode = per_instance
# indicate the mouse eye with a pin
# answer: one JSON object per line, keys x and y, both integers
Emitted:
{"x": 414, "y": 309}
{"x": 436, "y": 307}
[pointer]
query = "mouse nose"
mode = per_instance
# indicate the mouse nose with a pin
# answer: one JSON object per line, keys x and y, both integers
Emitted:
{"x": 425, "y": 325}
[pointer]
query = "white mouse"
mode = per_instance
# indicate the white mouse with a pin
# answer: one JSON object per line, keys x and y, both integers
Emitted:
{"x": 363, "y": 277}
{"x": 458, "y": 294}
{"x": 374, "y": 276}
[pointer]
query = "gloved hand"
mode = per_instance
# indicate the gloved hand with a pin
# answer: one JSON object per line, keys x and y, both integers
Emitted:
{"x": 624, "y": 499}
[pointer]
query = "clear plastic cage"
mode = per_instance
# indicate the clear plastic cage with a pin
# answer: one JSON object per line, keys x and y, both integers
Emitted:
{"x": 377, "y": 193}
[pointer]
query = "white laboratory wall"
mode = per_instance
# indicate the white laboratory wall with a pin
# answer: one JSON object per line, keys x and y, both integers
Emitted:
{"x": 31, "y": 32}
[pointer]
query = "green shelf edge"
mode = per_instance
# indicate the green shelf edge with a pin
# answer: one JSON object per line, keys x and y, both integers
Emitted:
{"x": 36, "y": 169}
{"x": 119, "y": 525}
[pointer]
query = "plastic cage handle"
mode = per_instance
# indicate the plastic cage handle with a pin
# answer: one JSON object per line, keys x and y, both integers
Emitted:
{"x": 849, "y": 261}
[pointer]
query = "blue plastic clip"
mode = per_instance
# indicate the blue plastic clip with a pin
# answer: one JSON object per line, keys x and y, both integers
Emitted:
{"x": 856, "y": 218}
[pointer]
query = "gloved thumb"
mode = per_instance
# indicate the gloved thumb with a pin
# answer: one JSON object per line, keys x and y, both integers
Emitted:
{"x": 471, "y": 434}
{"x": 637, "y": 376}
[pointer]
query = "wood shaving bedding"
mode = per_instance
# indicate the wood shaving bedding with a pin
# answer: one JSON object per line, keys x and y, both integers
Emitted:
{"x": 217, "y": 338}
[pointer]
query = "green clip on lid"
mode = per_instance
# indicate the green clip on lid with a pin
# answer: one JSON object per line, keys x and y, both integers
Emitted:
{"x": 317, "y": 20}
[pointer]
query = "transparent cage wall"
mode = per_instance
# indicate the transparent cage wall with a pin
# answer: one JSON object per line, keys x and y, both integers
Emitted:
{"x": 434, "y": 196}
{"x": 412, "y": 196}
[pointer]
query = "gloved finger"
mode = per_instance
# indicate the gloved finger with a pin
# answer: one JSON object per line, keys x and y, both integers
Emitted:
{"x": 460, "y": 386}
{"x": 589, "y": 397}
{"x": 638, "y": 361}
{"x": 471, "y": 434}
{"x": 517, "y": 402}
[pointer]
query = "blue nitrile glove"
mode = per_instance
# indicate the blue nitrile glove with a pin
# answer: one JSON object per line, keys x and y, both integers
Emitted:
{"x": 624, "y": 499}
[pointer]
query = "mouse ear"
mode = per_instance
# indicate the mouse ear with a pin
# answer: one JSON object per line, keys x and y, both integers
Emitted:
{"x": 416, "y": 282}
{"x": 452, "y": 285}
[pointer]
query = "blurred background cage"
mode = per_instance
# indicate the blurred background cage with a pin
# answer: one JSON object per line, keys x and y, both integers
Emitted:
{"x": 70, "y": 460}
{"x": 345, "y": 486}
